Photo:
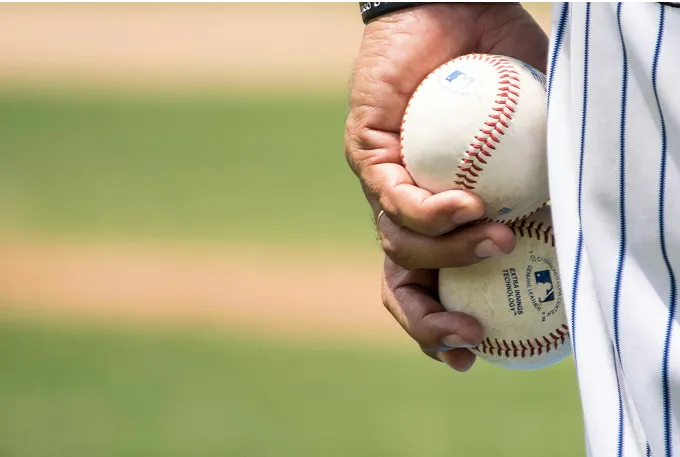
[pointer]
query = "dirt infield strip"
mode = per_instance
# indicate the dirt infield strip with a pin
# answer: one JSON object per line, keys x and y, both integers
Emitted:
{"x": 281, "y": 292}
{"x": 203, "y": 45}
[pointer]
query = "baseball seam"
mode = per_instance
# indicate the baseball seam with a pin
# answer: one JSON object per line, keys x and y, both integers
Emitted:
{"x": 530, "y": 228}
{"x": 502, "y": 113}
{"x": 508, "y": 92}
{"x": 524, "y": 348}
{"x": 498, "y": 120}
{"x": 517, "y": 219}
{"x": 536, "y": 346}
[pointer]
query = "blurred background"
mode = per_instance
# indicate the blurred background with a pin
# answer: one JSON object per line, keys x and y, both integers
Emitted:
{"x": 187, "y": 264}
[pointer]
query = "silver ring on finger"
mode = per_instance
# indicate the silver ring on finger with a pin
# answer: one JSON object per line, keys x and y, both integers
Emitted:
{"x": 377, "y": 219}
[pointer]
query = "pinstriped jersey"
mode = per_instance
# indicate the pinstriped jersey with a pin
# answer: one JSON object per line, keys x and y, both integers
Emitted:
{"x": 614, "y": 164}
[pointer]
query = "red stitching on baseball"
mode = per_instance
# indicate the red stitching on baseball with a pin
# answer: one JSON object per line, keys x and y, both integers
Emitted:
{"x": 475, "y": 156}
{"x": 466, "y": 178}
{"x": 517, "y": 219}
{"x": 508, "y": 91}
{"x": 461, "y": 168}
{"x": 542, "y": 231}
{"x": 524, "y": 348}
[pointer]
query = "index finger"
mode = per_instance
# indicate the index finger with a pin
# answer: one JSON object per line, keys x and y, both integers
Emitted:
{"x": 388, "y": 184}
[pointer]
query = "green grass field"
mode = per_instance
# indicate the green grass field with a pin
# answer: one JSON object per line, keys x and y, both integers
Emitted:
{"x": 262, "y": 169}
{"x": 243, "y": 170}
{"x": 67, "y": 391}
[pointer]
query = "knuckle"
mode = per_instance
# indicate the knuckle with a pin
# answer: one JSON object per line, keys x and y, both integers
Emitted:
{"x": 392, "y": 210}
{"x": 357, "y": 132}
{"x": 396, "y": 248}
{"x": 389, "y": 304}
{"x": 408, "y": 262}
{"x": 432, "y": 230}
{"x": 390, "y": 245}
{"x": 421, "y": 334}
{"x": 351, "y": 143}
{"x": 428, "y": 334}
{"x": 426, "y": 340}
{"x": 420, "y": 337}
{"x": 392, "y": 305}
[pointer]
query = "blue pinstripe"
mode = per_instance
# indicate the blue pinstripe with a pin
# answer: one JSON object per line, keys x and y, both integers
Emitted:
{"x": 622, "y": 186}
{"x": 622, "y": 217}
{"x": 619, "y": 442}
{"x": 559, "y": 35}
{"x": 672, "y": 301}
{"x": 579, "y": 241}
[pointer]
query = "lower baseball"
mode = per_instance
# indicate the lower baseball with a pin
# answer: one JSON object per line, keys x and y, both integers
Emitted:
{"x": 516, "y": 298}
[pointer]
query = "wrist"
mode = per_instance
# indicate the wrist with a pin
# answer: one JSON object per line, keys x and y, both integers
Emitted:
{"x": 374, "y": 10}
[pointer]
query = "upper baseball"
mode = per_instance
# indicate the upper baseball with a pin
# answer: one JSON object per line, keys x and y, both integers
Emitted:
{"x": 478, "y": 122}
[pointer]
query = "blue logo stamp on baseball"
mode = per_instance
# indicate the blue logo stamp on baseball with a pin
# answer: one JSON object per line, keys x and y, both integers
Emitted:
{"x": 542, "y": 281}
{"x": 459, "y": 81}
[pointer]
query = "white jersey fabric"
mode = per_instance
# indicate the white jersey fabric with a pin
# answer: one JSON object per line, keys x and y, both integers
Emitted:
{"x": 614, "y": 160}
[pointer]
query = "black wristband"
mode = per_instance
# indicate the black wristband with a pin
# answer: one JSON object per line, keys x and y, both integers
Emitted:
{"x": 372, "y": 10}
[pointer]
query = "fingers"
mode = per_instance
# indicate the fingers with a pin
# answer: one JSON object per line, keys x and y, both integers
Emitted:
{"x": 426, "y": 213}
{"x": 388, "y": 70}
{"x": 410, "y": 296}
{"x": 462, "y": 247}
{"x": 387, "y": 183}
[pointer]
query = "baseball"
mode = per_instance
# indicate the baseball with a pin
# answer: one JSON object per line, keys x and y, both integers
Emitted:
{"x": 516, "y": 298}
{"x": 478, "y": 122}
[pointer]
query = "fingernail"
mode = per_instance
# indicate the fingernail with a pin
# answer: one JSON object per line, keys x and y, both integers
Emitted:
{"x": 487, "y": 248}
{"x": 463, "y": 216}
{"x": 455, "y": 341}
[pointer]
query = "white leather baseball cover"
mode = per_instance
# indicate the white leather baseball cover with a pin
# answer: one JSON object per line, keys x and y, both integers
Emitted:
{"x": 516, "y": 298}
{"x": 478, "y": 122}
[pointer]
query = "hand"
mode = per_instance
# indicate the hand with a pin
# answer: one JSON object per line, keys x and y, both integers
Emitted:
{"x": 420, "y": 231}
